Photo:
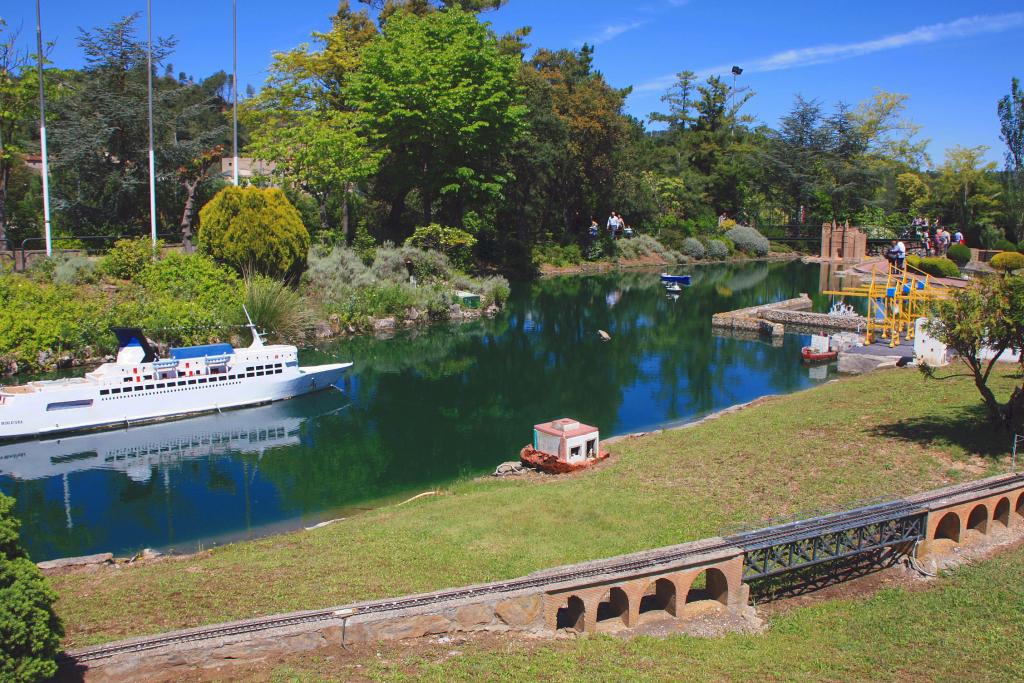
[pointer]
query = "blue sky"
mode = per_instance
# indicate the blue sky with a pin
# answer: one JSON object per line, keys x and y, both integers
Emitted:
{"x": 954, "y": 59}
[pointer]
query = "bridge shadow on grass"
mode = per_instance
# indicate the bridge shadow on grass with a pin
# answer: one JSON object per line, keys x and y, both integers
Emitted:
{"x": 970, "y": 429}
{"x": 817, "y": 577}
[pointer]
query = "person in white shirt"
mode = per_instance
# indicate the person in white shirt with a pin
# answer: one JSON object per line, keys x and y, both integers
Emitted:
{"x": 901, "y": 255}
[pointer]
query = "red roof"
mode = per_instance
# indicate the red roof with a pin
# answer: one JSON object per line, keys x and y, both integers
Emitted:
{"x": 564, "y": 427}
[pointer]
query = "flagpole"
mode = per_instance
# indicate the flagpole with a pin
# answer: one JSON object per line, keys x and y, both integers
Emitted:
{"x": 42, "y": 134}
{"x": 152, "y": 161}
{"x": 234, "y": 87}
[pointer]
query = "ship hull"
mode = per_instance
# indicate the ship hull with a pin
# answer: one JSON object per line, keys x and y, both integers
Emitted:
{"x": 81, "y": 407}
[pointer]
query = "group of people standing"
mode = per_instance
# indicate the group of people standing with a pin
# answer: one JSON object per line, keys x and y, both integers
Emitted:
{"x": 616, "y": 226}
{"x": 935, "y": 238}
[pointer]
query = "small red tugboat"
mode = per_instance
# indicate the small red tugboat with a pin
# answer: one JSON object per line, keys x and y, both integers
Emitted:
{"x": 563, "y": 446}
{"x": 811, "y": 355}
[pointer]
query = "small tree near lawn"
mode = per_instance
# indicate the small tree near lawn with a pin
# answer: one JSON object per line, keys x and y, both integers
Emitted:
{"x": 986, "y": 315}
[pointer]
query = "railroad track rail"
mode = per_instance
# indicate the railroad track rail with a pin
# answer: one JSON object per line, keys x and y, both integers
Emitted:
{"x": 751, "y": 541}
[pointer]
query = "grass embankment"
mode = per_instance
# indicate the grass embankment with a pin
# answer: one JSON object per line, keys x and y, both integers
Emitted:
{"x": 967, "y": 627}
{"x": 888, "y": 433}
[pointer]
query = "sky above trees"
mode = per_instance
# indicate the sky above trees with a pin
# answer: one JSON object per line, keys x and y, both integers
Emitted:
{"x": 953, "y": 58}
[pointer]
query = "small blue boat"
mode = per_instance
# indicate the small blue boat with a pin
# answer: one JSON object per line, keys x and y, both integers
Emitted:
{"x": 680, "y": 279}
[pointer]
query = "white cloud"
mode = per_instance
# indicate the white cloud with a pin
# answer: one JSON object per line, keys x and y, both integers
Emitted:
{"x": 824, "y": 54}
{"x": 615, "y": 30}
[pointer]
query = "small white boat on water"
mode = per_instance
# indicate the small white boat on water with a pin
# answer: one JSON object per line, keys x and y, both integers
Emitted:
{"x": 139, "y": 387}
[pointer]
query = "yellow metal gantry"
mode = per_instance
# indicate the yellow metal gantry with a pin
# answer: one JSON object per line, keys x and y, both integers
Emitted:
{"x": 895, "y": 302}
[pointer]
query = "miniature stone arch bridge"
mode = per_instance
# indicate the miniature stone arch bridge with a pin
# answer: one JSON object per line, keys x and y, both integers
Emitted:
{"x": 714, "y": 575}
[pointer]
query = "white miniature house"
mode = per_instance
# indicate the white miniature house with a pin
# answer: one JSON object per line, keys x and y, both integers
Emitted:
{"x": 567, "y": 439}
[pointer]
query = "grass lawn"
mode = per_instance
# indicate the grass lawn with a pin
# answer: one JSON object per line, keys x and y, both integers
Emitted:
{"x": 968, "y": 627}
{"x": 888, "y": 433}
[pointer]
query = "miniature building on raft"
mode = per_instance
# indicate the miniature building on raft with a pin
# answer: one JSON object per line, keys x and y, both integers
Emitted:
{"x": 563, "y": 445}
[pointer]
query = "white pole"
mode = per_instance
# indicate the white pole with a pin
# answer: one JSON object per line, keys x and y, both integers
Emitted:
{"x": 152, "y": 160}
{"x": 234, "y": 88}
{"x": 42, "y": 135}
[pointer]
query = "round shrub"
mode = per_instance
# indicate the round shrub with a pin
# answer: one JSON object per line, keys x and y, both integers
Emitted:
{"x": 454, "y": 243}
{"x": 693, "y": 248}
{"x": 30, "y": 630}
{"x": 1007, "y": 261}
{"x": 1004, "y": 245}
{"x": 128, "y": 257}
{"x": 959, "y": 254}
{"x": 748, "y": 240}
{"x": 936, "y": 266}
{"x": 252, "y": 228}
{"x": 717, "y": 250}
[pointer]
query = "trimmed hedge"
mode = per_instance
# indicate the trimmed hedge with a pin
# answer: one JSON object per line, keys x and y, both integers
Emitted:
{"x": 749, "y": 240}
{"x": 254, "y": 228}
{"x": 936, "y": 266}
{"x": 1004, "y": 245}
{"x": 694, "y": 248}
{"x": 30, "y": 630}
{"x": 1007, "y": 261}
{"x": 718, "y": 250}
{"x": 959, "y": 254}
{"x": 454, "y": 243}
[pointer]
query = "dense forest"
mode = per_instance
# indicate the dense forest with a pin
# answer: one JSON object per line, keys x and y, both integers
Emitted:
{"x": 409, "y": 113}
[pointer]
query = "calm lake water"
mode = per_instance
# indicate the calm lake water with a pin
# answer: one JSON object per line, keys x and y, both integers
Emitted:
{"x": 419, "y": 409}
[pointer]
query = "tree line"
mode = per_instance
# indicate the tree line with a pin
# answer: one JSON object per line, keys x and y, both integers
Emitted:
{"x": 419, "y": 113}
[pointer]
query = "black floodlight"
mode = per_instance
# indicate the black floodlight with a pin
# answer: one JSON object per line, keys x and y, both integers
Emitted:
{"x": 736, "y": 71}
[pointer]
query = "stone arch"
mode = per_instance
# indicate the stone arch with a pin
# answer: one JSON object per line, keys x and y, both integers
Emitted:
{"x": 660, "y": 595}
{"x": 572, "y": 615}
{"x": 978, "y": 519}
{"x": 614, "y": 607}
{"x": 710, "y": 584}
{"x": 1020, "y": 505}
{"x": 1002, "y": 512}
{"x": 949, "y": 527}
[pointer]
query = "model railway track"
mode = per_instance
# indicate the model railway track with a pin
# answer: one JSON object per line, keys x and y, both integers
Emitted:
{"x": 747, "y": 541}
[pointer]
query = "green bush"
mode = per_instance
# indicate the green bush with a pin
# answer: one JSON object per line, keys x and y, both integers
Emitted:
{"x": 779, "y": 248}
{"x": 557, "y": 255}
{"x": 644, "y": 245}
{"x": 75, "y": 270}
{"x": 454, "y": 243}
{"x": 959, "y": 254}
{"x": 128, "y": 257}
{"x": 748, "y": 240}
{"x": 936, "y": 266}
{"x": 30, "y": 630}
{"x": 1004, "y": 245}
{"x": 184, "y": 299}
{"x": 254, "y": 229}
{"x": 694, "y": 248}
{"x": 717, "y": 250}
{"x": 428, "y": 266}
{"x": 1007, "y": 261}
{"x": 337, "y": 269}
{"x": 277, "y": 309}
{"x": 40, "y": 321}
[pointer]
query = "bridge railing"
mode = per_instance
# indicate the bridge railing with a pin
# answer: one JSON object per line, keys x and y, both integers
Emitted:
{"x": 22, "y": 255}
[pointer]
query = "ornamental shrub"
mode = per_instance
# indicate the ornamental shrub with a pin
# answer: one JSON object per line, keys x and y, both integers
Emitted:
{"x": 30, "y": 630}
{"x": 959, "y": 254}
{"x": 644, "y": 245}
{"x": 454, "y": 243}
{"x": 1004, "y": 245}
{"x": 936, "y": 266}
{"x": 128, "y": 257}
{"x": 748, "y": 240}
{"x": 254, "y": 229}
{"x": 694, "y": 248}
{"x": 557, "y": 255}
{"x": 717, "y": 250}
{"x": 427, "y": 265}
{"x": 1007, "y": 261}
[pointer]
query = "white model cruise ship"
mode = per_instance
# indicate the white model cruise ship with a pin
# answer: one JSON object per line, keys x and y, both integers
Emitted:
{"x": 139, "y": 387}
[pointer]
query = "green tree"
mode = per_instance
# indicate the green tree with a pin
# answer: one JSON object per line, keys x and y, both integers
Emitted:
{"x": 987, "y": 315}
{"x": 1011, "y": 131}
{"x": 30, "y": 630}
{"x": 254, "y": 229}
{"x": 441, "y": 97}
{"x": 966, "y": 190}
{"x": 302, "y": 121}
{"x": 100, "y": 133}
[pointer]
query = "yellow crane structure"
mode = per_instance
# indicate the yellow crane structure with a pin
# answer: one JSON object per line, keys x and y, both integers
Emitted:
{"x": 895, "y": 301}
